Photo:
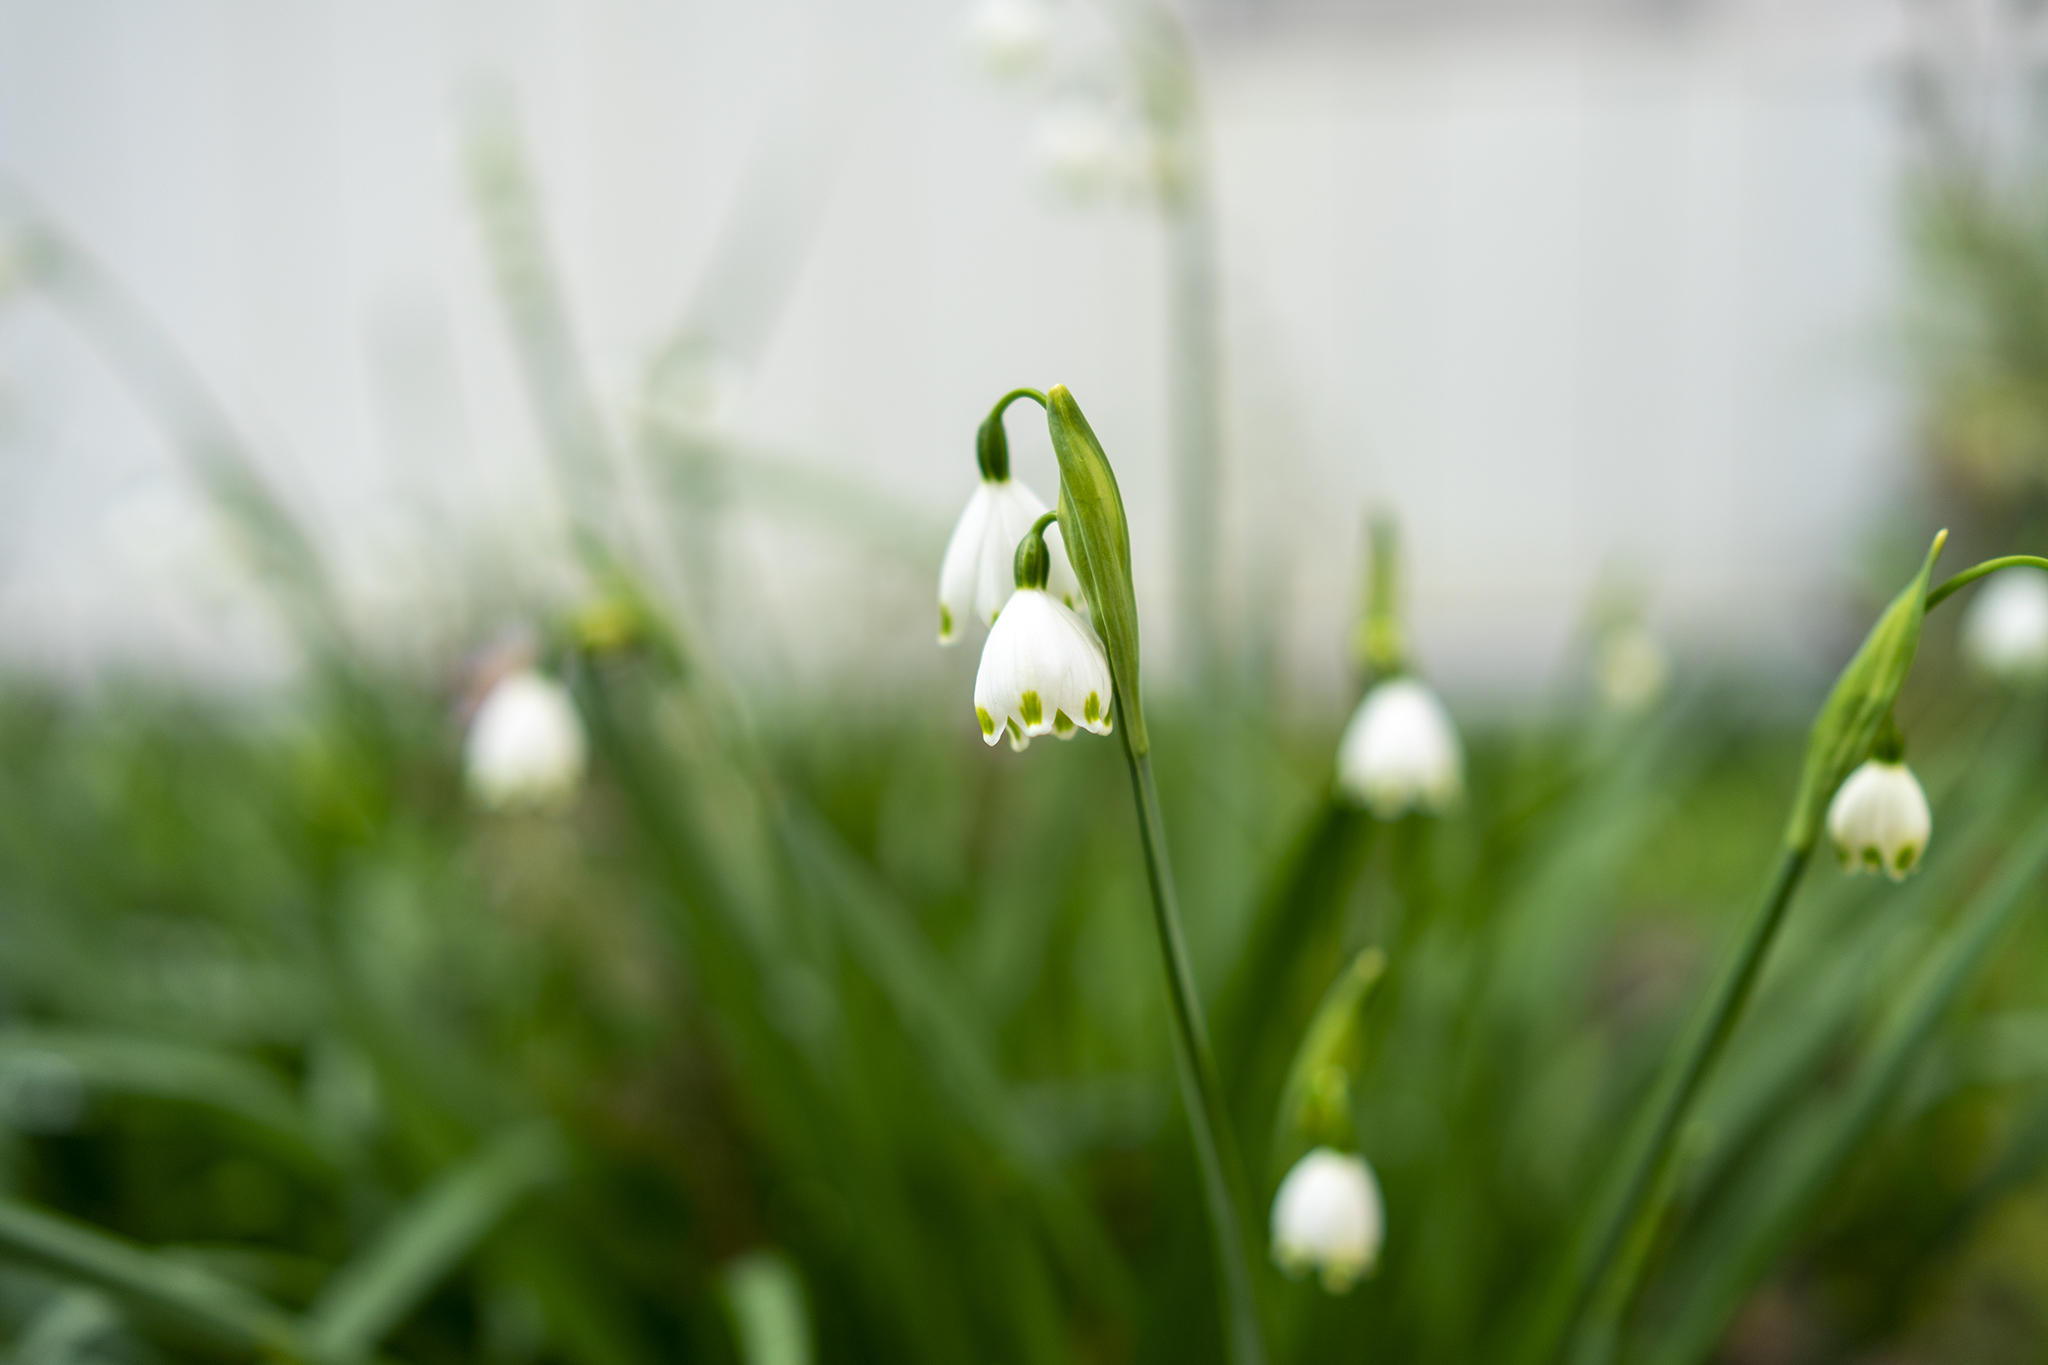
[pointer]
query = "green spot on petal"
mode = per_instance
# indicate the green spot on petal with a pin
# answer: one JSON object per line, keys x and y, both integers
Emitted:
{"x": 1062, "y": 724}
{"x": 1031, "y": 708}
{"x": 1906, "y": 857}
{"x": 945, "y": 621}
{"x": 1872, "y": 858}
{"x": 988, "y": 722}
{"x": 1092, "y": 710}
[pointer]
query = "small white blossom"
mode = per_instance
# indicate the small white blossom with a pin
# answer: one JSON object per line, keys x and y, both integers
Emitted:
{"x": 1328, "y": 1217}
{"x": 978, "y": 573}
{"x": 1632, "y": 669}
{"x": 1401, "y": 751}
{"x": 525, "y": 744}
{"x": 1081, "y": 152}
{"x": 1042, "y": 671}
{"x": 2005, "y": 633}
{"x": 1879, "y": 819}
{"x": 1008, "y": 39}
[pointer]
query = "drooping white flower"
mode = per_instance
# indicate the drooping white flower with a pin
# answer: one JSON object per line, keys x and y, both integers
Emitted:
{"x": 1008, "y": 39}
{"x": 1043, "y": 670}
{"x": 1080, "y": 152}
{"x": 977, "y": 575}
{"x": 2005, "y": 633}
{"x": 525, "y": 745}
{"x": 1879, "y": 819}
{"x": 1632, "y": 669}
{"x": 1401, "y": 751}
{"x": 1328, "y": 1217}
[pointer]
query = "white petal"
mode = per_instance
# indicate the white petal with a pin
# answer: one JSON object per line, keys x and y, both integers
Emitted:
{"x": 1401, "y": 751}
{"x": 962, "y": 561}
{"x": 1012, "y": 510}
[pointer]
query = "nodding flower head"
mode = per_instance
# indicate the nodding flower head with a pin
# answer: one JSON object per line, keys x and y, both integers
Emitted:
{"x": 525, "y": 745}
{"x": 1328, "y": 1217}
{"x": 1010, "y": 40}
{"x": 1043, "y": 669}
{"x": 975, "y": 576}
{"x": 2005, "y": 634}
{"x": 1879, "y": 819}
{"x": 1401, "y": 752}
{"x": 1632, "y": 669}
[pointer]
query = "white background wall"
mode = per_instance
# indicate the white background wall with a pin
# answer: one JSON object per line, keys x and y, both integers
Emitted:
{"x": 1570, "y": 293}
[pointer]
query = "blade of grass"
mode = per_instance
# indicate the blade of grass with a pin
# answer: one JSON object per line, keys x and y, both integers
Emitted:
{"x": 65, "y": 1328}
{"x": 389, "y": 1278}
{"x": 179, "y": 1298}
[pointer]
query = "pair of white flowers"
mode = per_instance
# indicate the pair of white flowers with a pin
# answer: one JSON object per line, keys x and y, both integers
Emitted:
{"x": 1043, "y": 669}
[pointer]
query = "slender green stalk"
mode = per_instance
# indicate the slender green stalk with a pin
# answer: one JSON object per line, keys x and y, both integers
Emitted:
{"x": 1629, "y": 1203}
{"x": 1937, "y": 596}
{"x": 1201, "y": 1093}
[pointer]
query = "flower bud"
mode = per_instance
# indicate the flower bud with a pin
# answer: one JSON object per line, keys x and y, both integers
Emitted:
{"x": 1879, "y": 820}
{"x": 2005, "y": 634}
{"x": 525, "y": 745}
{"x": 1401, "y": 752}
{"x": 1099, "y": 538}
{"x": 1328, "y": 1217}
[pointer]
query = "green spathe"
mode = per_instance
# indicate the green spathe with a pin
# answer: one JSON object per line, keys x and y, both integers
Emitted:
{"x": 1098, "y": 541}
{"x": 1863, "y": 696}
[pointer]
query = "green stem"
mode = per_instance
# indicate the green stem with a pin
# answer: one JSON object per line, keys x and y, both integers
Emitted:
{"x": 1937, "y": 596}
{"x": 1683, "y": 1076}
{"x": 1201, "y": 1094}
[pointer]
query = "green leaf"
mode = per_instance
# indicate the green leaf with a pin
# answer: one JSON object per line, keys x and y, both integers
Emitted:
{"x": 430, "y": 1236}
{"x": 769, "y": 1316}
{"x": 1098, "y": 541}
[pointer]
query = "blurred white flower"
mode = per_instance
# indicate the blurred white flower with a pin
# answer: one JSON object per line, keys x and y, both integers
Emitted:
{"x": 525, "y": 744}
{"x": 1632, "y": 669}
{"x": 1008, "y": 39}
{"x": 2005, "y": 633}
{"x": 978, "y": 573}
{"x": 1401, "y": 751}
{"x": 1043, "y": 670}
{"x": 1080, "y": 152}
{"x": 1328, "y": 1217}
{"x": 1879, "y": 819}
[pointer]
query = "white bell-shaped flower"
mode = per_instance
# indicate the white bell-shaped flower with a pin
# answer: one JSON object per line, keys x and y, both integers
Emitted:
{"x": 1401, "y": 752}
{"x": 1081, "y": 153}
{"x": 1328, "y": 1217}
{"x": 1042, "y": 671}
{"x": 1879, "y": 819}
{"x": 525, "y": 745}
{"x": 2005, "y": 633}
{"x": 976, "y": 575}
{"x": 1008, "y": 39}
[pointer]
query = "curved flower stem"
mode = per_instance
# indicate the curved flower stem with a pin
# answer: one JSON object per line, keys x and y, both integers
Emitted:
{"x": 1936, "y": 596}
{"x": 1201, "y": 1094}
{"x": 1629, "y": 1203}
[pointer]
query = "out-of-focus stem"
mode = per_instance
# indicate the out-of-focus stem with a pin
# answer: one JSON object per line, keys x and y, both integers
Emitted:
{"x": 1936, "y": 596}
{"x": 1680, "y": 1085}
{"x": 1201, "y": 1093}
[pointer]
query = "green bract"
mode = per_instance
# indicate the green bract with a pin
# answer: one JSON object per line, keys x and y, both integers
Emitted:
{"x": 1098, "y": 541}
{"x": 1848, "y": 723}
